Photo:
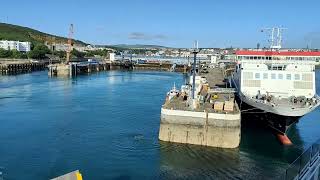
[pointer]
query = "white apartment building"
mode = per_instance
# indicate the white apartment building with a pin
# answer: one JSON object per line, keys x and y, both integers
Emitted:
{"x": 17, "y": 45}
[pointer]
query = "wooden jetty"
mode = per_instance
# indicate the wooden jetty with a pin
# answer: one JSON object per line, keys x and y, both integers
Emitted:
{"x": 73, "y": 69}
{"x": 21, "y": 66}
{"x": 161, "y": 67}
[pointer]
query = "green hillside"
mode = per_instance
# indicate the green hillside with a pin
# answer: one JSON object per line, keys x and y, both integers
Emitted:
{"x": 19, "y": 33}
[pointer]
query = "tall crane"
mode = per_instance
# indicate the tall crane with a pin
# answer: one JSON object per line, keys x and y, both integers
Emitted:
{"x": 70, "y": 44}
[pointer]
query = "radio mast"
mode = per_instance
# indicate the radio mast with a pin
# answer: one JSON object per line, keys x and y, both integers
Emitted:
{"x": 275, "y": 36}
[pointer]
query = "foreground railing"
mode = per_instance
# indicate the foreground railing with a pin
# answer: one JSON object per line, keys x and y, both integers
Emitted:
{"x": 306, "y": 166}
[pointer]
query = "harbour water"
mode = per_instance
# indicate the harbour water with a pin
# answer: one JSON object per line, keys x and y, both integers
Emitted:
{"x": 106, "y": 125}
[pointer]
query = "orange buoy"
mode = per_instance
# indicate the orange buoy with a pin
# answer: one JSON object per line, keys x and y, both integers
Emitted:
{"x": 283, "y": 138}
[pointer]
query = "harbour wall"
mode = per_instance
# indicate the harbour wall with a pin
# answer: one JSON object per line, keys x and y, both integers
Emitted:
{"x": 162, "y": 67}
{"x": 200, "y": 128}
{"x": 76, "y": 69}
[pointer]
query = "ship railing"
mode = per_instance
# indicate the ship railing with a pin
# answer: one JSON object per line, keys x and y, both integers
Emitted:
{"x": 306, "y": 165}
{"x": 266, "y": 61}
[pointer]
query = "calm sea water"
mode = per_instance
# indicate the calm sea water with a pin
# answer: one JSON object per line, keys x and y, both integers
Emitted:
{"x": 106, "y": 125}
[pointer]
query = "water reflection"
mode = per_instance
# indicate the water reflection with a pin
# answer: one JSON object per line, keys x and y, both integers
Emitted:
{"x": 260, "y": 156}
{"x": 106, "y": 125}
{"x": 196, "y": 162}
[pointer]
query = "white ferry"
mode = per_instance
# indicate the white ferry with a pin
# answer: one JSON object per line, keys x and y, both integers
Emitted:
{"x": 278, "y": 82}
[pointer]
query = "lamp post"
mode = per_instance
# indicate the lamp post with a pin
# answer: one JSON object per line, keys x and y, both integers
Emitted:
{"x": 195, "y": 52}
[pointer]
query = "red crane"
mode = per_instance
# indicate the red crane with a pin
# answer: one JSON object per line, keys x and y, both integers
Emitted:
{"x": 70, "y": 44}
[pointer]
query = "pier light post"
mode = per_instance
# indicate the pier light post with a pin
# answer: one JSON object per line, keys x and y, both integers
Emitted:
{"x": 195, "y": 52}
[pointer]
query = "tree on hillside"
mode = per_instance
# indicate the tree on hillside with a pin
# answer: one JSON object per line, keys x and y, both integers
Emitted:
{"x": 77, "y": 53}
{"x": 5, "y": 53}
{"x": 39, "y": 52}
{"x": 99, "y": 52}
{"x": 16, "y": 54}
{"x": 61, "y": 54}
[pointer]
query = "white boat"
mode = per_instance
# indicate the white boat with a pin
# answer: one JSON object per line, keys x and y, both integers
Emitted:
{"x": 172, "y": 93}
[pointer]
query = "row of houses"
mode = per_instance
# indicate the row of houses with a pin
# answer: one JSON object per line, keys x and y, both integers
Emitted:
{"x": 26, "y": 46}
{"x": 15, "y": 45}
{"x": 65, "y": 47}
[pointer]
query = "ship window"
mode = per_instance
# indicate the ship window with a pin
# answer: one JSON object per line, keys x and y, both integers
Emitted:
{"x": 259, "y": 57}
{"x": 288, "y": 76}
{"x": 273, "y": 76}
{"x": 280, "y": 76}
{"x": 297, "y": 77}
{"x": 257, "y": 75}
{"x": 251, "y": 57}
{"x": 255, "y": 57}
{"x": 265, "y": 75}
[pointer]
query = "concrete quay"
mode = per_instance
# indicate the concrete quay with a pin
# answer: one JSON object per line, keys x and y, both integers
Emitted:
{"x": 74, "y": 69}
{"x": 215, "y": 120}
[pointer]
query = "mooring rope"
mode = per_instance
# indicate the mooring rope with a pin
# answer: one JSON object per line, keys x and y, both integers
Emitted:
{"x": 249, "y": 109}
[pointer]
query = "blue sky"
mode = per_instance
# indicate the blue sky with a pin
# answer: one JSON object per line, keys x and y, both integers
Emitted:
{"x": 172, "y": 23}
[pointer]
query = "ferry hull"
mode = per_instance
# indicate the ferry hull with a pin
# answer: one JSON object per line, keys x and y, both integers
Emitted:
{"x": 280, "y": 118}
{"x": 279, "y": 123}
{"x": 278, "y": 110}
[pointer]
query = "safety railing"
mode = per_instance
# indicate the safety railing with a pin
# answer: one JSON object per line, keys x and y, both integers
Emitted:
{"x": 301, "y": 167}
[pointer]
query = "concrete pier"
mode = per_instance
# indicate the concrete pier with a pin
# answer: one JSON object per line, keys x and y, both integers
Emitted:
{"x": 216, "y": 120}
{"x": 74, "y": 69}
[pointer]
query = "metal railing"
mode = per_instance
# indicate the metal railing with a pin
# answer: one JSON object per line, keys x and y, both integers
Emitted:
{"x": 301, "y": 168}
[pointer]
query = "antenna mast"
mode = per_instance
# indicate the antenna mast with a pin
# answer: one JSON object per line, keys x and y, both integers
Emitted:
{"x": 275, "y": 36}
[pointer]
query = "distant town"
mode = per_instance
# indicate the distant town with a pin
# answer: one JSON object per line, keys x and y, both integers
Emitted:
{"x": 97, "y": 51}
{"x": 17, "y": 42}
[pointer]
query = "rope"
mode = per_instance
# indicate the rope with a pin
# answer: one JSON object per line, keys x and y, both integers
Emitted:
{"x": 248, "y": 109}
{"x": 254, "y": 112}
